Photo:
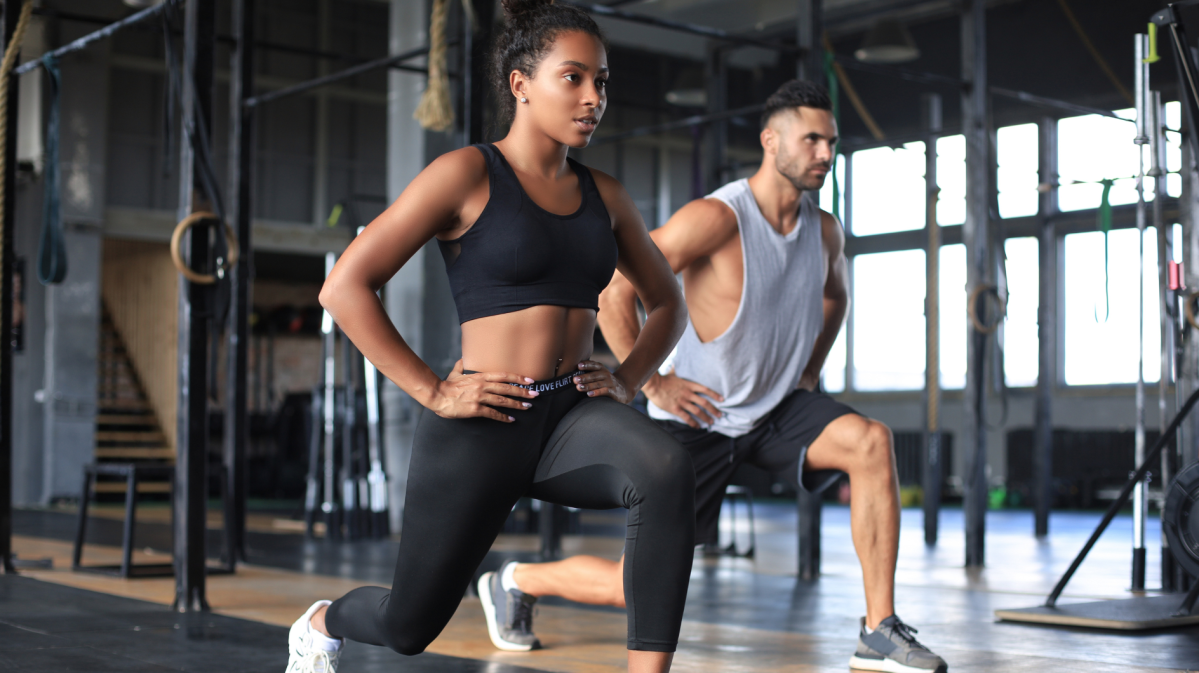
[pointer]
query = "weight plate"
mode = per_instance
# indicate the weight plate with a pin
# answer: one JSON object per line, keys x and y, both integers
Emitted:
{"x": 1181, "y": 518}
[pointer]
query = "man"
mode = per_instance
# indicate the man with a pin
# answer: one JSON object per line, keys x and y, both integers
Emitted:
{"x": 764, "y": 273}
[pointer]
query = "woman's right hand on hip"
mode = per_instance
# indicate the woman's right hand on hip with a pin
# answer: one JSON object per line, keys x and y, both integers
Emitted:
{"x": 480, "y": 395}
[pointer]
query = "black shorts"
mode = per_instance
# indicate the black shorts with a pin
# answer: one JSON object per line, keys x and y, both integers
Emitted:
{"x": 779, "y": 444}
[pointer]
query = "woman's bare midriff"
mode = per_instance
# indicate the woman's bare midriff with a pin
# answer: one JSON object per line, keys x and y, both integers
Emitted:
{"x": 530, "y": 342}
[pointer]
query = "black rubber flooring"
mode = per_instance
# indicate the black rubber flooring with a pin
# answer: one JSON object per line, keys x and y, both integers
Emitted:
{"x": 48, "y": 628}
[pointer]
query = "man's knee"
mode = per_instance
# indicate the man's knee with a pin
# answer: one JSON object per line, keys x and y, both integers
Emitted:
{"x": 873, "y": 450}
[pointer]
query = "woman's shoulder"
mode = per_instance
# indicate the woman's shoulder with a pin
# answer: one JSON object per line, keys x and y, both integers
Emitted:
{"x": 465, "y": 165}
{"x": 609, "y": 187}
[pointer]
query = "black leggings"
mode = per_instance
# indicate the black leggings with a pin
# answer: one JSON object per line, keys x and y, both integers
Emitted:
{"x": 569, "y": 449}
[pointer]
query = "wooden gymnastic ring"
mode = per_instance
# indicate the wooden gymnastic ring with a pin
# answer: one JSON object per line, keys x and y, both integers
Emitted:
{"x": 1188, "y": 308}
{"x": 177, "y": 237}
{"x": 972, "y": 310}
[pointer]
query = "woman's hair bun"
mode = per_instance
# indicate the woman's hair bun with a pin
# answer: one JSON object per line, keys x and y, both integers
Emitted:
{"x": 518, "y": 7}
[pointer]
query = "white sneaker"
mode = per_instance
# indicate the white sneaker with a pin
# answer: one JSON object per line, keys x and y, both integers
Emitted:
{"x": 307, "y": 656}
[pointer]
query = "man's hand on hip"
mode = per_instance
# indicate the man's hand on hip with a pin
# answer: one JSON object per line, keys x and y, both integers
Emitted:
{"x": 688, "y": 400}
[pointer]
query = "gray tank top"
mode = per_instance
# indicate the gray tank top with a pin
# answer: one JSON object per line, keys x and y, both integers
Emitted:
{"x": 759, "y": 359}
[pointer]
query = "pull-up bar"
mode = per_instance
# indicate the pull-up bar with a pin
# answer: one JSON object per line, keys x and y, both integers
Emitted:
{"x": 385, "y": 62}
{"x": 104, "y": 32}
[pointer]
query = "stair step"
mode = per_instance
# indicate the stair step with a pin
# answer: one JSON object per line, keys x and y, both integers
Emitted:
{"x": 127, "y": 419}
{"x": 129, "y": 436}
{"x": 124, "y": 404}
{"x": 142, "y": 487}
{"x": 143, "y": 452}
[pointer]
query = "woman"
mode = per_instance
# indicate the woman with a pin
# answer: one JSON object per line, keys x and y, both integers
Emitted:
{"x": 530, "y": 238}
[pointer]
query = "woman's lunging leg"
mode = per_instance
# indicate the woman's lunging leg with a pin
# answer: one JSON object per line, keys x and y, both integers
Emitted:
{"x": 603, "y": 455}
{"x": 465, "y": 475}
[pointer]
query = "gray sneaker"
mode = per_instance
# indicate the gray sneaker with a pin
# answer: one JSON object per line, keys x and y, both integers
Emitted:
{"x": 509, "y": 614}
{"x": 892, "y": 647}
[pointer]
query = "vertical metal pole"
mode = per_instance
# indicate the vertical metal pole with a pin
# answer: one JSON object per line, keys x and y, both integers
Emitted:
{"x": 932, "y": 316}
{"x": 810, "y": 66}
{"x": 241, "y": 157}
{"x": 1166, "y": 307}
{"x": 475, "y": 76}
{"x": 1046, "y": 327}
{"x": 809, "y": 30}
{"x": 1141, "y": 83}
{"x": 976, "y": 128}
{"x": 11, "y": 11}
{"x": 329, "y": 505}
{"x": 716, "y": 75}
{"x": 195, "y": 305}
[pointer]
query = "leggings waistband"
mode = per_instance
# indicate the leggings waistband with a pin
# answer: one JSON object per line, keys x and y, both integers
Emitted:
{"x": 546, "y": 386}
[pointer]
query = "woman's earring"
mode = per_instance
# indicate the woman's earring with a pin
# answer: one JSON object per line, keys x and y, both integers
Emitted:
{"x": 524, "y": 100}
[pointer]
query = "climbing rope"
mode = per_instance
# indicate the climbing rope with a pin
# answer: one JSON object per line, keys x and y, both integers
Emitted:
{"x": 435, "y": 111}
{"x": 1102, "y": 62}
{"x": 852, "y": 93}
{"x": 51, "y": 247}
{"x": 11, "y": 51}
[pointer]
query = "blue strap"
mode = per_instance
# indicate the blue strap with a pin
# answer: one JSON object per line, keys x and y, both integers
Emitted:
{"x": 52, "y": 249}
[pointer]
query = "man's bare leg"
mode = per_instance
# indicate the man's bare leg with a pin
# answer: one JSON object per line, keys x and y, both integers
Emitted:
{"x": 863, "y": 449}
{"x": 649, "y": 662}
{"x": 583, "y": 579}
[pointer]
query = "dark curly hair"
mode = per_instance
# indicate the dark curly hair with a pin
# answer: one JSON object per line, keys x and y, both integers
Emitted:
{"x": 533, "y": 25}
{"x": 793, "y": 94}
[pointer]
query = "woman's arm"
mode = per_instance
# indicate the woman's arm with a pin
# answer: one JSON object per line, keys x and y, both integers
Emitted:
{"x": 666, "y": 315}
{"x": 435, "y": 202}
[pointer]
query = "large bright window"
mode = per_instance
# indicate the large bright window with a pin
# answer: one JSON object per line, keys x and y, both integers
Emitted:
{"x": 1020, "y": 339}
{"x": 1017, "y": 154}
{"x": 826, "y": 192}
{"x": 1102, "y": 331}
{"x": 1093, "y": 148}
{"x": 888, "y": 320}
{"x": 832, "y": 377}
{"x": 951, "y": 179}
{"x": 952, "y": 346}
{"x": 888, "y": 189}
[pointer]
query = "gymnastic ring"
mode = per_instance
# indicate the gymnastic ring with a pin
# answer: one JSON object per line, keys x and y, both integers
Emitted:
{"x": 1188, "y": 308}
{"x": 177, "y": 237}
{"x": 972, "y": 310}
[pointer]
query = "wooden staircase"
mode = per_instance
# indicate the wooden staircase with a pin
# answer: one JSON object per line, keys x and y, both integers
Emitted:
{"x": 127, "y": 429}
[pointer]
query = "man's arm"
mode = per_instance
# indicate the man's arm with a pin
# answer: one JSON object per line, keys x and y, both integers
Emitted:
{"x": 697, "y": 230}
{"x": 836, "y": 298}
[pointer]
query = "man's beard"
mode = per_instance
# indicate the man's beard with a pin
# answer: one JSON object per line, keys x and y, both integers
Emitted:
{"x": 798, "y": 178}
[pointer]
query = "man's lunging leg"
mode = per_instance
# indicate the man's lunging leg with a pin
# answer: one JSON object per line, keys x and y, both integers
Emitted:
{"x": 583, "y": 579}
{"x": 862, "y": 448}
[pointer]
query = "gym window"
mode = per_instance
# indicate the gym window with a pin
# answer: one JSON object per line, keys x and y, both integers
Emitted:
{"x": 1101, "y": 333}
{"x": 888, "y": 192}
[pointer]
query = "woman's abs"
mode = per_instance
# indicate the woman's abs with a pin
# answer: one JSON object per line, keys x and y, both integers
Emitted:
{"x": 537, "y": 342}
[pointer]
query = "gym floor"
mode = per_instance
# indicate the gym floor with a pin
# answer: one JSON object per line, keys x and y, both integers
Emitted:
{"x": 742, "y": 615}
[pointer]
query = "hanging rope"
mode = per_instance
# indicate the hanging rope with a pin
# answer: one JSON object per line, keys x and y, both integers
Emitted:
{"x": 1103, "y": 220}
{"x": 852, "y": 93}
{"x": 435, "y": 111}
{"x": 1086, "y": 41}
{"x": 51, "y": 247}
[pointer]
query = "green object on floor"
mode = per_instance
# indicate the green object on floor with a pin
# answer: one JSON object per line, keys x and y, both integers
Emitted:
{"x": 996, "y": 497}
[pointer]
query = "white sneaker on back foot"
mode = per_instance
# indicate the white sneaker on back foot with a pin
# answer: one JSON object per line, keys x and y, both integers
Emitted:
{"x": 307, "y": 647}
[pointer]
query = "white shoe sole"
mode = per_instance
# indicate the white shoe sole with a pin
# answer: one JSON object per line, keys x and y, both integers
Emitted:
{"x": 484, "y": 588}
{"x": 886, "y": 665}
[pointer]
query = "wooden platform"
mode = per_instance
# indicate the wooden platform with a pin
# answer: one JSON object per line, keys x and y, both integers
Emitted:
{"x": 742, "y": 616}
{"x": 1130, "y": 614}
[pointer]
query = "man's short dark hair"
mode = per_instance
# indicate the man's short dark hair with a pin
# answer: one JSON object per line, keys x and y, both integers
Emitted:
{"x": 793, "y": 94}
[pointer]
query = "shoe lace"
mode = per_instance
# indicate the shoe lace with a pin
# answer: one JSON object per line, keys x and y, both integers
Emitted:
{"x": 908, "y": 633}
{"x": 522, "y": 614}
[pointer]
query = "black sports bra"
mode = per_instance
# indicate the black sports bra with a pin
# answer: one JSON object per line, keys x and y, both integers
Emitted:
{"x": 519, "y": 255}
